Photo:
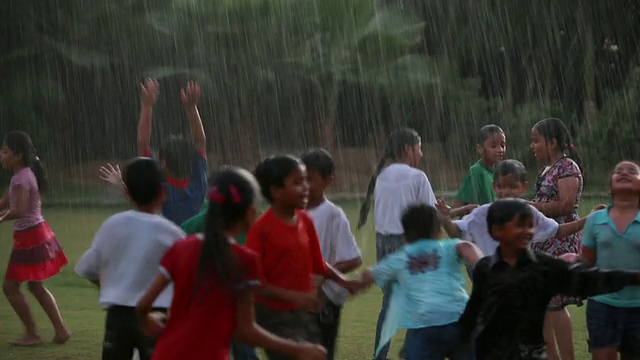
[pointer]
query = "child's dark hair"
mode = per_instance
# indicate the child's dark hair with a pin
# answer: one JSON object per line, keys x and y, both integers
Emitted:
{"x": 232, "y": 192}
{"x": 420, "y": 221}
{"x": 503, "y": 211}
{"x": 20, "y": 143}
{"x": 320, "y": 160}
{"x": 553, "y": 128}
{"x": 396, "y": 146}
{"x": 179, "y": 154}
{"x": 143, "y": 179}
{"x": 511, "y": 167}
{"x": 487, "y": 131}
{"x": 272, "y": 172}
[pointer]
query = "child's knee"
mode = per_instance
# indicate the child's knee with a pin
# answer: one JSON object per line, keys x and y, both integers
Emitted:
{"x": 10, "y": 288}
{"x": 35, "y": 287}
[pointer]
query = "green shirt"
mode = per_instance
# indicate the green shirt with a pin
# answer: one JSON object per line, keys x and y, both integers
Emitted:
{"x": 196, "y": 224}
{"x": 477, "y": 187}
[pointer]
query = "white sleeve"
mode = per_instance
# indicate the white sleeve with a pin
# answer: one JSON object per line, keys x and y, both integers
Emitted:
{"x": 543, "y": 227}
{"x": 425, "y": 192}
{"x": 89, "y": 264}
{"x": 343, "y": 242}
{"x": 467, "y": 225}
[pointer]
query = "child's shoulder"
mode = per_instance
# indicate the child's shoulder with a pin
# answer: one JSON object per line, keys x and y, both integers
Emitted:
{"x": 23, "y": 177}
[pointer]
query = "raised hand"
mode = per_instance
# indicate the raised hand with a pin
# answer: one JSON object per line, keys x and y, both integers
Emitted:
{"x": 442, "y": 207}
{"x": 111, "y": 174}
{"x": 149, "y": 91}
{"x": 190, "y": 94}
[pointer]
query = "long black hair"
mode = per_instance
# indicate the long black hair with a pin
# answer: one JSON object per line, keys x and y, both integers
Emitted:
{"x": 396, "y": 146}
{"x": 553, "y": 128}
{"x": 20, "y": 143}
{"x": 233, "y": 191}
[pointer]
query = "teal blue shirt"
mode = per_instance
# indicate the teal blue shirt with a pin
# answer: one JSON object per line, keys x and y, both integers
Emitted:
{"x": 430, "y": 282}
{"x": 614, "y": 251}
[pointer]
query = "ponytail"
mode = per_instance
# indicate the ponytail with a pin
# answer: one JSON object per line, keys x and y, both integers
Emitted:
{"x": 41, "y": 176}
{"x": 366, "y": 205}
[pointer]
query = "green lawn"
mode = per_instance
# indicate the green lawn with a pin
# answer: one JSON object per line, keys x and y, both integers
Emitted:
{"x": 78, "y": 299}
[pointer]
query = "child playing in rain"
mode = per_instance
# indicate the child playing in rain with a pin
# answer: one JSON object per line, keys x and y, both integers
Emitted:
{"x": 477, "y": 186}
{"x": 611, "y": 240}
{"x": 431, "y": 287}
{"x": 512, "y": 287}
{"x": 337, "y": 243}
{"x": 288, "y": 249}
{"x": 124, "y": 257}
{"x": 214, "y": 280}
{"x": 395, "y": 187}
{"x": 36, "y": 254}
{"x": 510, "y": 181}
{"x": 184, "y": 162}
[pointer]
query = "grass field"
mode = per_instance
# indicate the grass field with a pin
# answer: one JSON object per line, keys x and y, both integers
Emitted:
{"x": 78, "y": 298}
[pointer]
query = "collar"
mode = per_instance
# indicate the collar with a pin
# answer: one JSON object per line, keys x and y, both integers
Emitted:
{"x": 526, "y": 256}
{"x": 178, "y": 183}
{"x": 601, "y": 217}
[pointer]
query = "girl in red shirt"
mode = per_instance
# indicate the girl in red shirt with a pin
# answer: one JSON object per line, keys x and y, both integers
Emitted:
{"x": 214, "y": 280}
{"x": 286, "y": 242}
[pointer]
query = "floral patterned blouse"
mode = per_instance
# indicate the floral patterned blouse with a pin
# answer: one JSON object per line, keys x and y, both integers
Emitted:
{"x": 547, "y": 191}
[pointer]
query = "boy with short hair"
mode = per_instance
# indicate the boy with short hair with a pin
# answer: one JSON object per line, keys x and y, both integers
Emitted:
{"x": 337, "y": 244}
{"x": 512, "y": 287}
{"x": 124, "y": 257}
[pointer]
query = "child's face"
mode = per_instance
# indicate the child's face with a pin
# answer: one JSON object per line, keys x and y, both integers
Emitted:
{"x": 540, "y": 147}
{"x": 295, "y": 192}
{"x": 625, "y": 178}
{"x": 493, "y": 148}
{"x": 509, "y": 186}
{"x": 8, "y": 158}
{"x": 515, "y": 234}
{"x": 317, "y": 184}
{"x": 414, "y": 154}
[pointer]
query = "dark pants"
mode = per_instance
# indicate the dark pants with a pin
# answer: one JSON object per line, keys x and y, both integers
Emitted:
{"x": 385, "y": 245}
{"x": 329, "y": 322}
{"x": 297, "y": 325}
{"x": 242, "y": 351}
{"x": 437, "y": 343}
{"x": 123, "y": 334}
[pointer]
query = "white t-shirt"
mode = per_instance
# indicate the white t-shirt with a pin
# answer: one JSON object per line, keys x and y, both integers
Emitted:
{"x": 473, "y": 227}
{"x": 397, "y": 187}
{"x": 336, "y": 243}
{"x": 125, "y": 256}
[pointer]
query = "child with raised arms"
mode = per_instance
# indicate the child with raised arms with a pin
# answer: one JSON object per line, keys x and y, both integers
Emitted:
{"x": 512, "y": 287}
{"x": 431, "y": 287}
{"x": 288, "y": 249}
{"x": 337, "y": 243}
{"x": 36, "y": 255}
{"x": 477, "y": 186}
{"x": 214, "y": 280}
{"x": 611, "y": 240}
{"x": 124, "y": 257}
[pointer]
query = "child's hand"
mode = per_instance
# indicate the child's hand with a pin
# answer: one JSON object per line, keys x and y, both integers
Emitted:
{"x": 354, "y": 286}
{"x": 442, "y": 206}
{"x": 310, "y": 351}
{"x": 154, "y": 324}
{"x": 149, "y": 91}
{"x": 465, "y": 210}
{"x": 598, "y": 207}
{"x": 570, "y": 257}
{"x": 190, "y": 94}
{"x": 111, "y": 174}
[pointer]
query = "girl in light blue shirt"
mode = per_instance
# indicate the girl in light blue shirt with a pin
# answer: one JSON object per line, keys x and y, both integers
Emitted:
{"x": 429, "y": 287}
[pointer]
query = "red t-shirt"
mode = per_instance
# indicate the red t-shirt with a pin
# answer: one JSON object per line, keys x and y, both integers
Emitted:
{"x": 200, "y": 327}
{"x": 289, "y": 254}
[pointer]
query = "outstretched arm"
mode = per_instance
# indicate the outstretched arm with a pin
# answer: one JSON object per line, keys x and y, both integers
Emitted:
{"x": 190, "y": 96}
{"x": 148, "y": 94}
{"x": 585, "y": 281}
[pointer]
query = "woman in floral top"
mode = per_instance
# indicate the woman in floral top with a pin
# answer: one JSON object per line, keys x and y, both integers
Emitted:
{"x": 558, "y": 192}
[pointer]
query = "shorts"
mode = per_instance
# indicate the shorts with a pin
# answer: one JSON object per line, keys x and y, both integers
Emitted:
{"x": 610, "y": 326}
{"x": 299, "y": 325}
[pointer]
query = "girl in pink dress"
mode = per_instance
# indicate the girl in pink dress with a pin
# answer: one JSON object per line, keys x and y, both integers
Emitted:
{"x": 558, "y": 192}
{"x": 36, "y": 254}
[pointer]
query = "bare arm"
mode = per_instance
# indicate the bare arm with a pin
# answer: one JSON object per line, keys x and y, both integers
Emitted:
{"x": 568, "y": 192}
{"x": 20, "y": 209}
{"x": 152, "y": 325}
{"x": 190, "y": 96}
{"x": 458, "y": 203}
{"x": 148, "y": 94}
{"x": 469, "y": 252}
{"x": 570, "y": 228}
{"x": 589, "y": 256}
{"x": 348, "y": 266}
{"x": 452, "y": 229}
{"x": 4, "y": 201}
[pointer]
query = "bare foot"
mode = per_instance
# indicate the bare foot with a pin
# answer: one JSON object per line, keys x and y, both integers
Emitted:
{"x": 27, "y": 340}
{"x": 61, "y": 337}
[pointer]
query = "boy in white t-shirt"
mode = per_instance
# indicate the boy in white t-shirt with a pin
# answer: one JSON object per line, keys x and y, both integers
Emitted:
{"x": 337, "y": 243}
{"x": 124, "y": 258}
{"x": 510, "y": 181}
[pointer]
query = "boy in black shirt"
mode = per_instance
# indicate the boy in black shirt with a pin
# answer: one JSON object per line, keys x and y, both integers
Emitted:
{"x": 511, "y": 289}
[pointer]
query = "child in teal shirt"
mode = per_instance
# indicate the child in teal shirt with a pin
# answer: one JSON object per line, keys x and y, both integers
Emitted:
{"x": 477, "y": 187}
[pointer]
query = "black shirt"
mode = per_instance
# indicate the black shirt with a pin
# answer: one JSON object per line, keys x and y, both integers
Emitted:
{"x": 508, "y": 303}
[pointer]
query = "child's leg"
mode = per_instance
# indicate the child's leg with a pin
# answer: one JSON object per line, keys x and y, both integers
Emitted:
{"x": 563, "y": 332}
{"x": 19, "y": 304}
{"x": 604, "y": 327}
{"x": 428, "y": 343}
{"x": 550, "y": 338}
{"x": 48, "y": 303}
{"x": 120, "y": 334}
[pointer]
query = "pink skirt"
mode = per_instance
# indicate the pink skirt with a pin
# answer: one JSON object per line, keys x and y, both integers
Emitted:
{"x": 36, "y": 255}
